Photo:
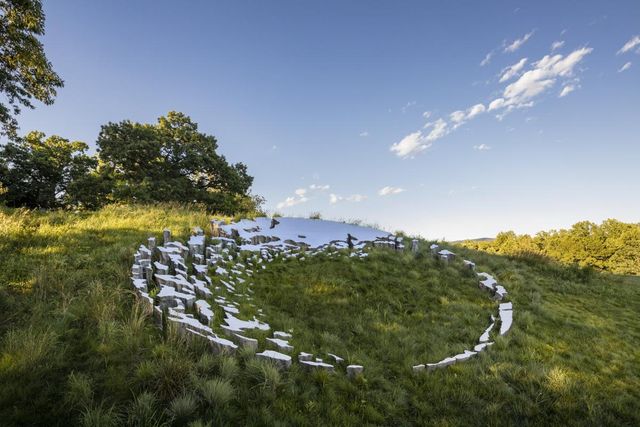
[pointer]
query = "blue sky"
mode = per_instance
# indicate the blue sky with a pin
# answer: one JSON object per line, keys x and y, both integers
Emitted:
{"x": 390, "y": 112}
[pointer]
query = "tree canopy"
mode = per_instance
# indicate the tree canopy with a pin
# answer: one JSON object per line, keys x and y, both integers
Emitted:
{"x": 25, "y": 72}
{"x": 40, "y": 172}
{"x": 170, "y": 161}
{"x": 613, "y": 245}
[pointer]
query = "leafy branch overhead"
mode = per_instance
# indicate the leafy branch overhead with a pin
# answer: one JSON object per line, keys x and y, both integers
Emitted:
{"x": 25, "y": 71}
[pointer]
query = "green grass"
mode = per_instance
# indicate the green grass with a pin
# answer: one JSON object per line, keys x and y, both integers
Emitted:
{"x": 75, "y": 348}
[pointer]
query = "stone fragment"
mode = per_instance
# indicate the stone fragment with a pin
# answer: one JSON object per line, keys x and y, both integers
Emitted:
{"x": 282, "y": 360}
{"x": 482, "y": 346}
{"x": 337, "y": 359}
{"x": 353, "y": 370}
{"x": 280, "y": 344}
{"x": 304, "y": 356}
{"x": 446, "y": 255}
{"x": 246, "y": 342}
{"x": 281, "y": 334}
{"x": 317, "y": 365}
{"x": 203, "y": 308}
{"x": 462, "y": 357}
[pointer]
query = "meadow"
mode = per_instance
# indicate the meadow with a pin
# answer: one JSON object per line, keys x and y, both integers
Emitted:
{"x": 76, "y": 349}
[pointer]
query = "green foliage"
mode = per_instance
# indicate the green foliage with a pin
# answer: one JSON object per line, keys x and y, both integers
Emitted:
{"x": 172, "y": 161}
{"x": 79, "y": 391}
{"x": 100, "y": 416}
{"x": 44, "y": 173}
{"x": 217, "y": 392}
{"x": 144, "y": 411}
{"x": 183, "y": 408}
{"x": 25, "y": 72}
{"x": 612, "y": 246}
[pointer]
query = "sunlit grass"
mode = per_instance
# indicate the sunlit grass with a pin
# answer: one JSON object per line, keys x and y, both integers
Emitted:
{"x": 75, "y": 348}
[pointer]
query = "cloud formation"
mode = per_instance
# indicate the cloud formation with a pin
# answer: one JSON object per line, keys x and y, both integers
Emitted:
{"x": 625, "y": 67}
{"x": 517, "y": 43}
{"x": 557, "y": 45}
{"x": 482, "y": 147}
{"x": 301, "y": 195}
{"x": 566, "y": 90}
{"x": 512, "y": 70}
{"x": 298, "y": 198}
{"x": 319, "y": 187}
{"x": 632, "y": 43}
{"x": 539, "y": 78}
{"x": 334, "y": 198}
{"x": 364, "y": 133}
{"x": 487, "y": 59}
{"x": 388, "y": 190}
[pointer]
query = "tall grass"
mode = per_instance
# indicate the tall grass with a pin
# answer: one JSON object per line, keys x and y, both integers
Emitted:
{"x": 76, "y": 349}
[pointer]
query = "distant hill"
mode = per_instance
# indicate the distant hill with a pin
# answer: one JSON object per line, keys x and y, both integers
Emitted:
{"x": 480, "y": 239}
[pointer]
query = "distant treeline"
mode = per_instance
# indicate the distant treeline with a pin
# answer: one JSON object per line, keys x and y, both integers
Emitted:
{"x": 169, "y": 161}
{"x": 612, "y": 246}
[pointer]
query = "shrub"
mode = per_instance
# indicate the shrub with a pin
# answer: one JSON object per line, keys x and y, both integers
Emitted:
{"x": 217, "y": 392}
{"x": 183, "y": 408}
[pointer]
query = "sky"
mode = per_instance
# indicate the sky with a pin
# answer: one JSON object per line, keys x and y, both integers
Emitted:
{"x": 445, "y": 119}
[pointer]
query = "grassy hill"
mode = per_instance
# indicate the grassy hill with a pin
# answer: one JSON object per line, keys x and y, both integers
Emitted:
{"x": 75, "y": 346}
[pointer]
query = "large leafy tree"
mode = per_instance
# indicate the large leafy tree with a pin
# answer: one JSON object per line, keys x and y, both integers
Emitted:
{"x": 25, "y": 72}
{"x": 40, "y": 172}
{"x": 171, "y": 161}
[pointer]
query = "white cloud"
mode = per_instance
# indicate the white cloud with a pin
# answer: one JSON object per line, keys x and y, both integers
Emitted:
{"x": 541, "y": 77}
{"x": 410, "y": 145}
{"x": 300, "y": 195}
{"x": 319, "y": 187}
{"x": 625, "y": 67}
{"x": 566, "y": 90}
{"x": 496, "y": 103}
{"x": 633, "y": 42}
{"x": 426, "y": 114}
{"x": 557, "y": 45}
{"x": 457, "y": 116}
{"x": 512, "y": 70}
{"x": 481, "y": 147}
{"x": 406, "y": 107}
{"x": 364, "y": 133}
{"x": 475, "y": 110}
{"x": 516, "y": 44}
{"x": 292, "y": 201}
{"x": 416, "y": 142}
{"x": 487, "y": 59}
{"x": 356, "y": 198}
{"x": 438, "y": 131}
{"x": 385, "y": 191}
{"x": 334, "y": 198}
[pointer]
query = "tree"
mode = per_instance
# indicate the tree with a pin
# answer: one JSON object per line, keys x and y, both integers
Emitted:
{"x": 25, "y": 72}
{"x": 38, "y": 172}
{"x": 171, "y": 161}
